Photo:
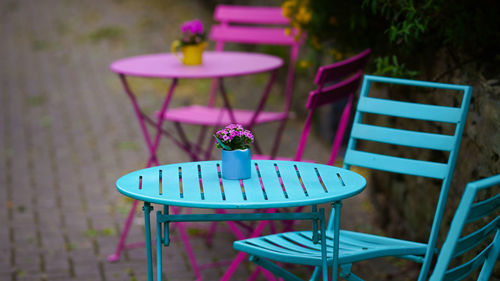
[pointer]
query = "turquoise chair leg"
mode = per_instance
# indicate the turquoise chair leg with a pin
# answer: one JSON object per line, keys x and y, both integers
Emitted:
{"x": 315, "y": 226}
{"x": 324, "y": 268}
{"x": 315, "y": 274}
{"x": 147, "y": 225}
{"x": 159, "y": 264}
{"x": 345, "y": 272}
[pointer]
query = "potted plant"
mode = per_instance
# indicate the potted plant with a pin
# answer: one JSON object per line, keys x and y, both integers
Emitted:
{"x": 191, "y": 44}
{"x": 235, "y": 142}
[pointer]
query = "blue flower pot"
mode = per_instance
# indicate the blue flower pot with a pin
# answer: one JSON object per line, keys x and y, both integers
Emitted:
{"x": 236, "y": 164}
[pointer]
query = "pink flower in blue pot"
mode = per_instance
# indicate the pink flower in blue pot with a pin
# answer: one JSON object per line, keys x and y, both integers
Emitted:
{"x": 235, "y": 142}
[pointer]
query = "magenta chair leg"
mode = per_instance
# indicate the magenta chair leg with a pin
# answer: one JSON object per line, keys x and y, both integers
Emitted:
{"x": 269, "y": 276}
{"x": 236, "y": 262}
{"x": 189, "y": 250}
{"x": 344, "y": 121}
{"x": 241, "y": 256}
{"x": 123, "y": 237}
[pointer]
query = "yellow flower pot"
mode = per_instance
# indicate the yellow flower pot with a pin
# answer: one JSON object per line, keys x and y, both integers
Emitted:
{"x": 191, "y": 54}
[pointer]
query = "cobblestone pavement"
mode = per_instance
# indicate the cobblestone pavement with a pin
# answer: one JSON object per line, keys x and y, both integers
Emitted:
{"x": 67, "y": 132}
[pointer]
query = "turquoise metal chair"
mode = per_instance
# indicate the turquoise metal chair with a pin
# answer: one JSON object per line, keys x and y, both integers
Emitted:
{"x": 470, "y": 211}
{"x": 297, "y": 247}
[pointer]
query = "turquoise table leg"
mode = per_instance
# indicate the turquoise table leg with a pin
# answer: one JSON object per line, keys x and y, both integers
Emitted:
{"x": 147, "y": 225}
{"x": 158, "y": 248}
{"x": 324, "y": 267}
{"x": 336, "y": 232}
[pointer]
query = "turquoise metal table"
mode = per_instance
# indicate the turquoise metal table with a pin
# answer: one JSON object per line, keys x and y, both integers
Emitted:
{"x": 273, "y": 184}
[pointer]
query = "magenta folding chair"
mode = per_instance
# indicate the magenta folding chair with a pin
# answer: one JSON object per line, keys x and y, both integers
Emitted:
{"x": 245, "y": 25}
{"x": 335, "y": 82}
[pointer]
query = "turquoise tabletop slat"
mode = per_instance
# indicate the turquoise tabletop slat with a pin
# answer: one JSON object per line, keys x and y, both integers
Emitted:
{"x": 194, "y": 192}
{"x": 210, "y": 180}
{"x": 253, "y": 188}
{"x": 270, "y": 181}
{"x": 197, "y": 185}
{"x": 291, "y": 181}
{"x": 311, "y": 181}
{"x": 332, "y": 181}
{"x": 233, "y": 192}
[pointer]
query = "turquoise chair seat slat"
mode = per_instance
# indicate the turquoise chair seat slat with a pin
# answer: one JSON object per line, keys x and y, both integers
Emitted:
{"x": 396, "y": 164}
{"x": 485, "y": 239}
{"x": 354, "y": 246}
{"x": 403, "y": 137}
{"x": 284, "y": 242}
{"x": 409, "y": 110}
{"x": 303, "y": 251}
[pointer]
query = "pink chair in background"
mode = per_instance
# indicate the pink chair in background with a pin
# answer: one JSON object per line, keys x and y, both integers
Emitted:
{"x": 245, "y": 25}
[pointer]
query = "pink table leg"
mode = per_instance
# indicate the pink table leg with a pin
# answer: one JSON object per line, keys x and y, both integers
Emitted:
{"x": 152, "y": 160}
{"x": 152, "y": 147}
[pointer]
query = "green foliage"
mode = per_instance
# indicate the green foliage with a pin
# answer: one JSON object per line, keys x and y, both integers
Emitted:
{"x": 407, "y": 22}
{"x": 407, "y": 36}
{"x": 389, "y": 66}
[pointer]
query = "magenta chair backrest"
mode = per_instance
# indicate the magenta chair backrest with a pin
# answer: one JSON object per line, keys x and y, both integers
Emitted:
{"x": 250, "y": 15}
{"x": 259, "y": 26}
{"x": 335, "y": 82}
{"x": 341, "y": 69}
{"x": 235, "y": 26}
{"x": 335, "y": 75}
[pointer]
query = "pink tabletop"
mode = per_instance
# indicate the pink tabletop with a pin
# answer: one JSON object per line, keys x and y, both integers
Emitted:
{"x": 215, "y": 64}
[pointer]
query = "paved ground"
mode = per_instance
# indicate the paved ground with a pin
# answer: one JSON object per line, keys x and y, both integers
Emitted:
{"x": 67, "y": 132}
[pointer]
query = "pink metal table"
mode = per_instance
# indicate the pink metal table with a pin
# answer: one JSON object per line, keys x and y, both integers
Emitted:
{"x": 216, "y": 65}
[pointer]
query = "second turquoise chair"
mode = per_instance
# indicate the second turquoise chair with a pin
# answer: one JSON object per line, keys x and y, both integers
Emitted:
{"x": 472, "y": 209}
{"x": 298, "y": 248}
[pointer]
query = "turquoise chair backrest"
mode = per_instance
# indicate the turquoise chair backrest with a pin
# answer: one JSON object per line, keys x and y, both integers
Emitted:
{"x": 469, "y": 211}
{"x": 407, "y": 138}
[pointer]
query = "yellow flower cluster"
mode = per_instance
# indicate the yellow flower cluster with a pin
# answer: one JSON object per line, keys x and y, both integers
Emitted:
{"x": 303, "y": 15}
{"x": 299, "y": 14}
{"x": 305, "y": 64}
